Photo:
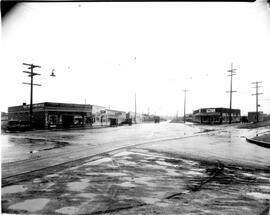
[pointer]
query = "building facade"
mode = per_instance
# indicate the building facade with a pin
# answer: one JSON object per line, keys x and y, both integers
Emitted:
{"x": 216, "y": 115}
{"x": 252, "y": 116}
{"x": 52, "y": 115}
{"x": 99, "y": 116}
{"x": 136, "y": 118}
{"x": 115, "y": 117}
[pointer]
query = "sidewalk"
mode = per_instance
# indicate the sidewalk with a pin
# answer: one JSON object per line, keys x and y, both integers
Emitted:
{"x": 262, "y": 140}
{"x": 254, "y": 125}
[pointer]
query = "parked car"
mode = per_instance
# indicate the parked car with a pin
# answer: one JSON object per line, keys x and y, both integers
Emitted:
{"x": 18, "y": 125}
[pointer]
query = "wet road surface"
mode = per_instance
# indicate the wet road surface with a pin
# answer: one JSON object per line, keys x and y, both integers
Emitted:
{"x": 142, "y": 182}
{"x": 162, "y": 168}
{"x": 218, "y": 142}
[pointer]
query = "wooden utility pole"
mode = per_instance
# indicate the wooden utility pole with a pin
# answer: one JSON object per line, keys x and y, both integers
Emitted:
{"x": 135, "y": 110}
{"x": 257, "y": 93}
{"x": 185, "y": 104}
{"x": 31, "y": 75}
{"x": 231, "y": 91}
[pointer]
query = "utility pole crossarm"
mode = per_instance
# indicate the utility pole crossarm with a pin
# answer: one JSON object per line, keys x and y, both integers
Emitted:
{"x": 33, "y": 84}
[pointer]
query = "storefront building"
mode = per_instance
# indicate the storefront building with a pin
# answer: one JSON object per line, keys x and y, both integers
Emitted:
{"x": 49, "y": 115}
{"x": 115, "y": 117}
{"x": 99, "y": 116}
{"x": 252, "y": 116}
{"x": 216, "y": 115}
{"x": 136, "y": 118}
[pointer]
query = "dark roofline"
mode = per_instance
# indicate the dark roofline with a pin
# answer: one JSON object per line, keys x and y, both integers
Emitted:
{"x": 218, "y": 108}
{"x": 55, "y": 103}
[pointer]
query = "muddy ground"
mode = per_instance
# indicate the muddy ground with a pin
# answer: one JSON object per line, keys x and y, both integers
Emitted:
{"x": 139, "y": 181}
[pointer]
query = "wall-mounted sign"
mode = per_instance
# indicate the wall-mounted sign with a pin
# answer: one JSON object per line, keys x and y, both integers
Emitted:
{"x": 211, "y": 110}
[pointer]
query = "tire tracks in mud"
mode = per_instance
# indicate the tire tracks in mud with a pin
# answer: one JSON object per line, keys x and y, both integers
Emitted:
{"x": 214, "y": 173}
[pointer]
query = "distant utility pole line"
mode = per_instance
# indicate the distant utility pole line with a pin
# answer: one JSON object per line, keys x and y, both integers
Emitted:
{"x": 257, "y": 93}
{"x": 31, "y": 75}
{"x": 185, "y": 90}
{"x": 232, "y": 71}
{"x": 135, "y": 109}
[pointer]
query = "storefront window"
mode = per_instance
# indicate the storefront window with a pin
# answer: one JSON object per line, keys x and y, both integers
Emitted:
{"x": 78, "y": 120}
{"x": 53, "y": 119}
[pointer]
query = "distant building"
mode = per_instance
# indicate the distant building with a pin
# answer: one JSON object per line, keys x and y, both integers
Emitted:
{"x": 4, "y": 120}
{"x": 131, "y": 115}
{"x": 99, "y": 116}
{"x": 252, "y": 116}
{"x": 148, "y": 118}
{"x": 216, "y": 115}
{"x": 115, "y": 117}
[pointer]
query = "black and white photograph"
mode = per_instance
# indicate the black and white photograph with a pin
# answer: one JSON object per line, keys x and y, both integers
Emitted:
{"x": 156, "y": 107}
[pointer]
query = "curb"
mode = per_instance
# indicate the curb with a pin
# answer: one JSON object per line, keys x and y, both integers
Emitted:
{"x": 258, "y": 142}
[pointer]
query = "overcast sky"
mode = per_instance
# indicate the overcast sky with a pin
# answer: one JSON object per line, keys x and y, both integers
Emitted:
{"x": 103, "y": 53}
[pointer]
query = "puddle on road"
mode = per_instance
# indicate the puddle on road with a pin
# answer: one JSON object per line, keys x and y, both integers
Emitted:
{"x": 172, "y": 172}
{"x": 248, "y": 174}
{"x": 193, "y": 172}
{"x": 145, "y": 180}
{"x": 264, "y": 187}
{"x": 112, "y": 174}
{"x": 259, "y": 195}
{"x": 97, "y": 162}
{"x": 87, "y": 195}
{"x": 127, "y": 184}
{"x": 31, "y": 205}
{"x": 189, "y": 162}
{"x": 78, "y": 185}
{"x": 13, "y": 189}
{"x": 149, "y": 200}
{"x": 68, "y": 210}
{"x": 127, "y": 163}
{"x": 36, "y": 180}
{"x": 263, "y": 178}
{"x": 122, "y": 154}
{"x": 164, "y": 163}
{"x": 52, "y": 175}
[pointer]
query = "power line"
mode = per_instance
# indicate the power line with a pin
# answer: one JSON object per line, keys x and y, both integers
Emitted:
{"x": 257, "y": 93}
{"x": 232, "y": 71}
{"x": 31, "y": 75}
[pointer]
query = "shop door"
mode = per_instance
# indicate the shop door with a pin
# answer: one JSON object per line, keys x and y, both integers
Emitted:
{"x": 67, "y": 121}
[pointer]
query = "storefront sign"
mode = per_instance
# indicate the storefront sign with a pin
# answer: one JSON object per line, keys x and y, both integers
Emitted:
{"x": 212, "y": 110}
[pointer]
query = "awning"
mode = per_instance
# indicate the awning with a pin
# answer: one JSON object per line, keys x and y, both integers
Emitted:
{"x": 207, "y": 114}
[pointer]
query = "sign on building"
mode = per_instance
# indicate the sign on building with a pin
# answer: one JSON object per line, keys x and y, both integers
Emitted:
{"x": 210, "y": 110}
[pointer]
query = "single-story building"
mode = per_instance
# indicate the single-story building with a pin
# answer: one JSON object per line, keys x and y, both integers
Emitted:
{"x": 252, "y": 116}
{"x": 99, "y": 116}
{"x": 131, "y": 115}
{"x": 4, "y": 120}
{"x": 115, "y": 117}
{"x": 216, "y": 115}
{"x": 52, "y": 115}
